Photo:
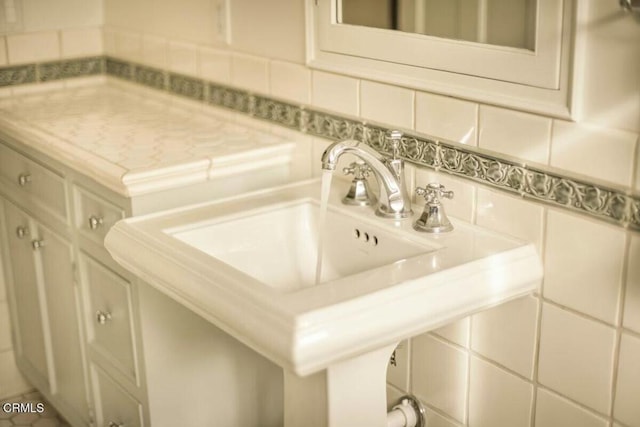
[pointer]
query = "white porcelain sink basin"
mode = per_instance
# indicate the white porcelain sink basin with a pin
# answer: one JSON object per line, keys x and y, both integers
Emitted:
{"x": 279, "y": 246}
{"x": 247, "y": 265}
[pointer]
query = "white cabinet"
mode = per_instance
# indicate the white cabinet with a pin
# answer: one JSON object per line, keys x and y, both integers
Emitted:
{"x": 45, "y": 291}
{"x": 115, "y": 407}
{"x": 27, "y": 294}
{"x": 69, "y": 310}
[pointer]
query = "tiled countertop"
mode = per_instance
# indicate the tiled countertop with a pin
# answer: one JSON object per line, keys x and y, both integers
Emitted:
{"x": 133, "y": 140}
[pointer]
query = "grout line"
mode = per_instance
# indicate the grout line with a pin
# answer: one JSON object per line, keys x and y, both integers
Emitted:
{"x": 443, "y": 414}
{"x": 536, "y": 356}
{"x": 575, "y": 402}
{"x": 619, "y": 328}
{"x": 467, "y": 394}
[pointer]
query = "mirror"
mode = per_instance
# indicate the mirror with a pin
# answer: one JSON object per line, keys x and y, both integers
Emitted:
{"x": 512, "y": 53}
{"x": 509, "y": 23}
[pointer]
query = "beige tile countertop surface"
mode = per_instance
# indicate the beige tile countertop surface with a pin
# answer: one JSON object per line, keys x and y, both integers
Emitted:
{"x": 135, "y": 140}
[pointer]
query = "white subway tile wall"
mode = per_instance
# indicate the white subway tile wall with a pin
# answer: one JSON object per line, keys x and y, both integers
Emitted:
{"x": 128, "y": 45}
{"x": 436, "y": 420}
{"x": 439, "y": 372}
{"x": 290, "y": 82}
{"x": 523, "y": 135}
{"x": 507, "y": 334}
{"x": 3, "y": 51}
{"x": 632, "y": 297}
{"x": 627, "y": 403}
{"x": 387, "y": 104}
{"x": 607, "y": 154}
{"x": 183, "y": 58}
{"x": 447, "y": 118}
{"x": 576, "y": 357}
{"x": 497, "y": 397}
{"x": 637, "y": 173}
{"x": 154, "y": 51}
{"x": 79, "y": 42}
{"x": 565, "y": 357}
{"x": 33, "y": 47}
{"x": 610, "y": 98}
{"x": 554, "y": 410}
{"x": 583, "y": 265}
{"x": 511, "y": 215}
{"x": 457, "y": 332}
{"x": 250, "y": 72}
{"x": 215, "y": 65}
{"x": 335, "y": 93}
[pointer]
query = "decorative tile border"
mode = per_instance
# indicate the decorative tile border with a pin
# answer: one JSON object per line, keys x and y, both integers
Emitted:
{"x": 68, "y": 69}
{"x": 20, "y": 74}
{"x": 233, "y": 99}
{"x": 55, "y": 70}
{"x": 188, "y": 87}
{"x": 551, "y": 187}
{"x": 145, "y": 76}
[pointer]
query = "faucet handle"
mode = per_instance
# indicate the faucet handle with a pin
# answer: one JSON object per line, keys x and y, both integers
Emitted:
{"x": 359, "y": 193}
{"x": 395, "y": 137}
{"x": 433, "y": 192}
{"x": 433, "y": 218}
{"x": 359, "y": 170}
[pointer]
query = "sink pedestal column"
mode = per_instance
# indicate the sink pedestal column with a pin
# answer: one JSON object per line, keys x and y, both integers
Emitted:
{"x": 350, "y": 393}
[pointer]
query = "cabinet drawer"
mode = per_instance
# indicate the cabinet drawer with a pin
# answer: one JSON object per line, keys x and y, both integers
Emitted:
{"x": 45, "y": 187}
{"x": 110, "y": 327}
{"x": 95, "y": 216}
{"x": 115, "y": 407}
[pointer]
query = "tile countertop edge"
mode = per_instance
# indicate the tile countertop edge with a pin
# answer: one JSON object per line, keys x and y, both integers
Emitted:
{"x": 81, "y": 161}
{"x": 131, "y": 182}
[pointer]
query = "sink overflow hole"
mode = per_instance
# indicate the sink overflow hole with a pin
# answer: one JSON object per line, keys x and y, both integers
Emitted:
{"x": 368, "y": 238}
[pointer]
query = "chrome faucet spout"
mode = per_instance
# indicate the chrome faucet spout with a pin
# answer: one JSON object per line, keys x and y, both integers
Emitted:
{"x": 394, "y": 201}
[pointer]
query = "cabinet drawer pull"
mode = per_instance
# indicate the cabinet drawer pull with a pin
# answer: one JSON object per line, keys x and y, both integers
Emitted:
{"x": 21, "y": 232}
{"x": 114, "y": 424}
{"x": 95, "y": 222}
{"x": 102, "y": 317}
{"x": 24, "y": 179}
{"x": 37, "y": 244}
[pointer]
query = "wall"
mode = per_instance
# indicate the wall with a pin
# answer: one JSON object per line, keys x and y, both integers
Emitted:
{"x": 567, "y": 356}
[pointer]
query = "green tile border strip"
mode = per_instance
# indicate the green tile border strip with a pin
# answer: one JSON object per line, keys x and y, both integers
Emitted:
{"x": 17, "y": 75}
{"x": 53, "y": 70}
{"x": 82, "y": 67}
{"x": 530, "y": 182}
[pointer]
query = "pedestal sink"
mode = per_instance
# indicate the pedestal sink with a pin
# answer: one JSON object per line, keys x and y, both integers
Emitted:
{"x": 247, "y": 264}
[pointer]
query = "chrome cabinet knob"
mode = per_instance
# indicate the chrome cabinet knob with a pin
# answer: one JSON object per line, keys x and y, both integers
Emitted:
{"x": 95, "y": 222}
{"x": 38, "y": 244}
{"x": 102, "y": 317}
{"x": 24, "y": 179}
{"x": 22, "y": 231}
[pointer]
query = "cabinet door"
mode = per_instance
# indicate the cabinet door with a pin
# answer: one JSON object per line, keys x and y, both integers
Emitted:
{"x": 55, "y": 258}
{"x": 115, "y": 407}
{"x": 29, "y": 298}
